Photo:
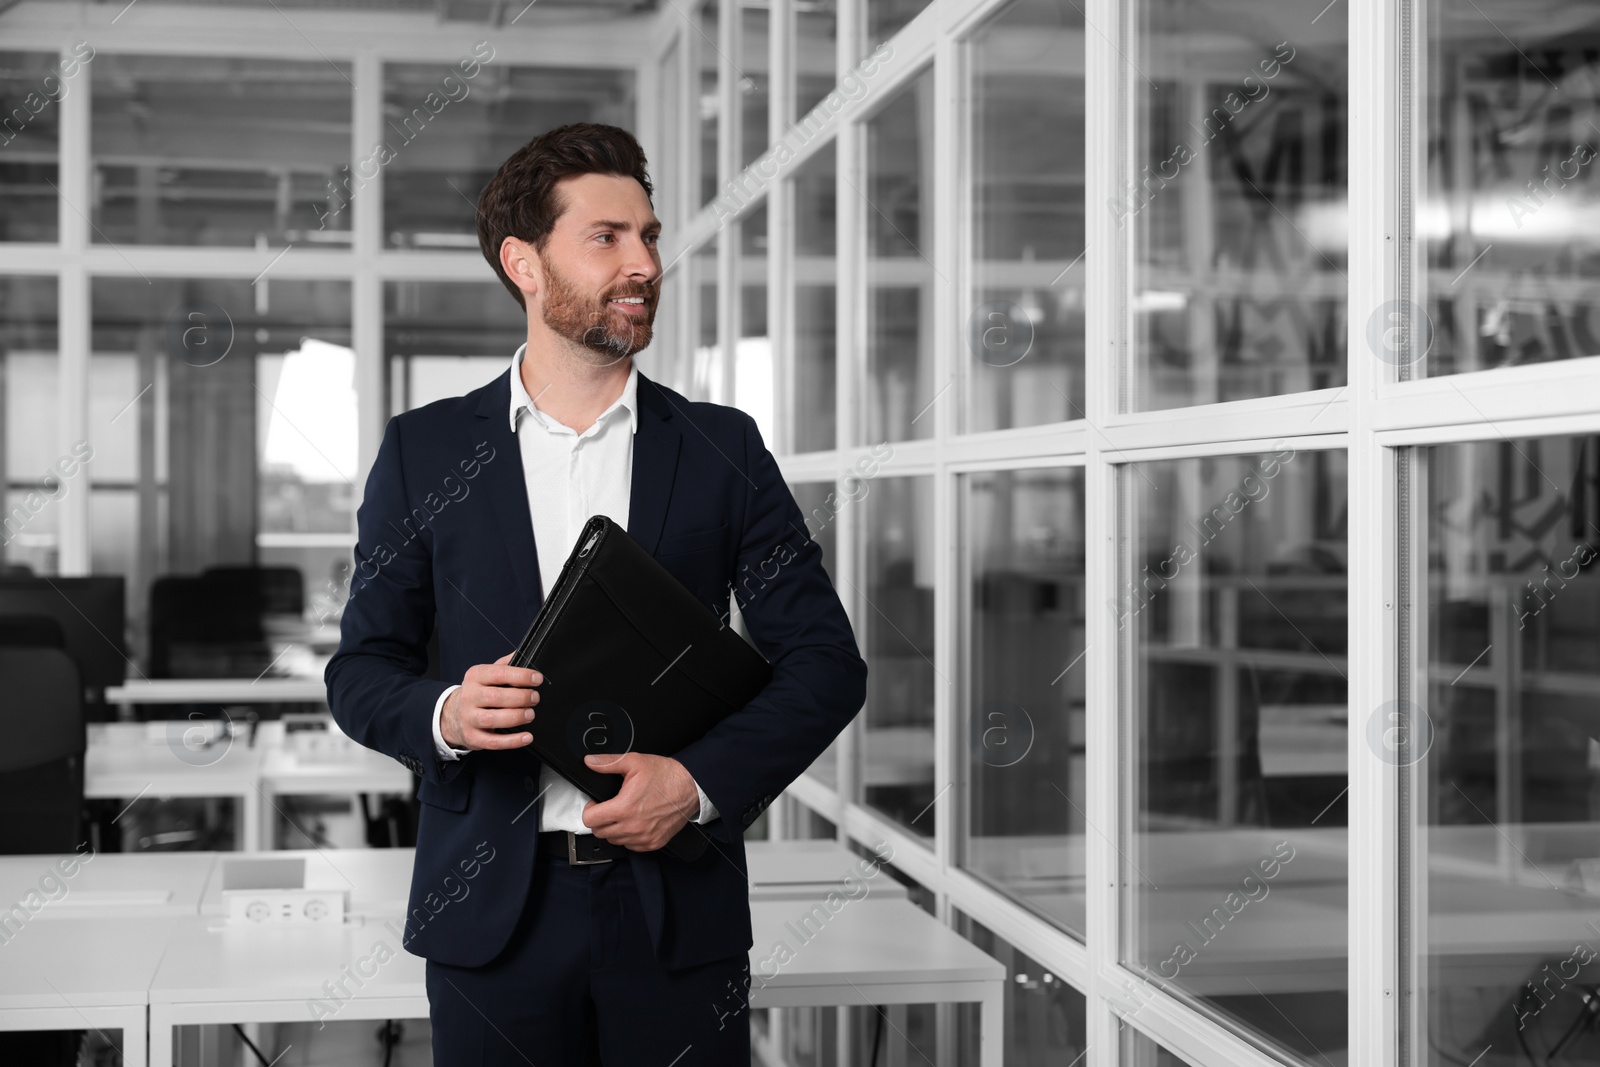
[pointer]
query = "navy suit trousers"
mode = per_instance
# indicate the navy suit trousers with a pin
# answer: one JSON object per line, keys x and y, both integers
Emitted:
{"x": 579, "y": 986}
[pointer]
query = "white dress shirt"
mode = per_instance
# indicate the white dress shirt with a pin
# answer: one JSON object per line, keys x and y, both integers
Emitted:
{"x": 570, "y": 476}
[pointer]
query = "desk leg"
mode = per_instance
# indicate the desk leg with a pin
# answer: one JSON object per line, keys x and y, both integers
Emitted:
{"x": 136, "y": 1040}
{"x": 992, "y": 1038}
{"x": 160, "y": 1036}
{"x": 129, "y": 1021}
{"x": 778, "y": 1032}
{"x": 893, "y": 1044}
{"x": 250, "y": 819}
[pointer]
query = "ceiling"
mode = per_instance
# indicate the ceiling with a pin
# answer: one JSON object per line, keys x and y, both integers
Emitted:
{"x": 483, "y": 12}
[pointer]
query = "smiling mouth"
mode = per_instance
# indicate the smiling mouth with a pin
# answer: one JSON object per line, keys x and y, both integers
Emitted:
{"x": 628, "y": 308}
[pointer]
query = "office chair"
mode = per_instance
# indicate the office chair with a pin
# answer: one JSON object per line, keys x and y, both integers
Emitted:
{"x": 41, "y": 791}
{"x": 31, "y": 631}
{"x": 273, "y": 590}
{"x": 196, "y": 633}
{"x": 41, "y": 763}
{"x": 211, "y": 625}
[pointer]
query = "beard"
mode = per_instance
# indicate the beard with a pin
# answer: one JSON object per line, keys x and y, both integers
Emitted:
{"x": 592, "y": 324}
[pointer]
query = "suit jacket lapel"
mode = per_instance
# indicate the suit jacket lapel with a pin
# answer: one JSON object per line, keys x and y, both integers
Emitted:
{"x": 656, "y": 444}
{"x": 507, "y": 487}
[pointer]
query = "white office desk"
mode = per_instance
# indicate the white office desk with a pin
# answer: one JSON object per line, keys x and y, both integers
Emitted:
{"x": 808, "y": 870}
{"x": 85, "y": 959}
{"x": 89, "y": 973}
{"x": 877, "y": 946}
{"x": 128, "y": 760}
{"x": 320, "y": 763}
{"x": 377, "y": 879}
{"x": 212, "y": 973}
{"x": 872, "y": 951}
{"x": 218, "y": 691}
{"x": 124, "y": 762}
{"x": 127, "y": 885}
{"x": 325, "y": 762}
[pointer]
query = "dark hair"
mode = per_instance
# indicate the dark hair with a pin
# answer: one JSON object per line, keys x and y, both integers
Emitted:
{"x": 520, "y": 200}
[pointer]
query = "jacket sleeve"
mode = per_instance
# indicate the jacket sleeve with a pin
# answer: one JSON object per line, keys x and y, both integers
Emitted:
{"x": 376, "y": 688}
{"x": 795, "y": 619}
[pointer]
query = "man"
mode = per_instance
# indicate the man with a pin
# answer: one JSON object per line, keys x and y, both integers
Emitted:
{"x": 555, "y": 931}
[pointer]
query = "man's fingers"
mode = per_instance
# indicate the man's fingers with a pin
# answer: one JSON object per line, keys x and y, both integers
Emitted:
{"x": 484, "y": 740}
{"x": 502, "y": 673}
{"x": 505, "y": 674}
{"x": 503, "y": 696}
{"x": 497, "y": 718}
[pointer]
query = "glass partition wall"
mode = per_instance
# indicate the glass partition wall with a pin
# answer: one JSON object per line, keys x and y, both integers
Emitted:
{"x": 1236, "y": 459}
{"x": 1196, "y": 405}
{"x": 222, "y": 271}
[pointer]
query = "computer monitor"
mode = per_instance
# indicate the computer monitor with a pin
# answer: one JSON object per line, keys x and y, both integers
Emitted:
{"x": 92, "y": 612}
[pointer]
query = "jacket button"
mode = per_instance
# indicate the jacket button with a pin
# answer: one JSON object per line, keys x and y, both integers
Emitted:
{"x": 529, "y": 784}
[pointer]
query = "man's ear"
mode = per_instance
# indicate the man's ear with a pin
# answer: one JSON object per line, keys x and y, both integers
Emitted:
{"x": 520, "y": 261}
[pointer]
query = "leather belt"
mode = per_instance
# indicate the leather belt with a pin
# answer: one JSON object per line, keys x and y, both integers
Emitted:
{"x": 578, "y": 849}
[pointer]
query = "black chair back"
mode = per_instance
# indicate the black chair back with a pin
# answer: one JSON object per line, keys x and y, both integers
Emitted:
{"x": 31, "y": 631}
{"x": 212, "y": 625}
{"x": 41, "y": 763}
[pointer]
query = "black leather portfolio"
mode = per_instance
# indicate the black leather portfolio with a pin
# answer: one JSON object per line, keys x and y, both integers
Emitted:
{"x": 632, "y": 661}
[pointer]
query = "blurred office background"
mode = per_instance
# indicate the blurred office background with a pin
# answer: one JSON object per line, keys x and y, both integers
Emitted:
{"x": 1197, "y": 404}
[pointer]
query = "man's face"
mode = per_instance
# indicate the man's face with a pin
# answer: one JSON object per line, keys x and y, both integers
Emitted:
{"x": 603, "y": 249}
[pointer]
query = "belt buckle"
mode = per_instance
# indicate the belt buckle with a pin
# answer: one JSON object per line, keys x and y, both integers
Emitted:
{"x": 572, "y": 852}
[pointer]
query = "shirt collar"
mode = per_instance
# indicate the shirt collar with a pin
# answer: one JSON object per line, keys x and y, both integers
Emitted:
{"x": 520, "y": 398}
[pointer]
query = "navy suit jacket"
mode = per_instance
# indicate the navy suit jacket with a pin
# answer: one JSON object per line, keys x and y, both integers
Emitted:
{"x": 445, "y": 536}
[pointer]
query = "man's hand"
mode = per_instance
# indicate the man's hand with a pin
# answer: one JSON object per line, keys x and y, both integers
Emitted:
{"x": 658, "y": 798}
{"x": 492, "y": 695}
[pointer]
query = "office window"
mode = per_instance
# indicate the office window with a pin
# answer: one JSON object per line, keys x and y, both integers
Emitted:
{"x": 1044, "y": 1016}
{"x": 30, "y": 379}
{"x": 666, "y": 170}
{"x": 443, "y": 339}
{"x": 753, "y": 363}
{"x": 814, "y": 54}
{"x": 1023, "y": 326}
{"x": 704, "y": 40}
{"x": 885, "y": 18}
{"x": 32, "y": 86}
{"x": 667, "y": 359}
{"x": 1022, "y": 613}
{"x": 1236, "y": 199}
{"x": 705, "y": 378}
{"x": 900, "y": 280}
{"x": 447, "y": 131}
{"x": 820, "y": 505}
{"x": 1502, "y": 749}
{"x": 1510, "y": 199}
{"x": 1139, "y": 1051}
{"x": 752, "y": 86}
{"x": 816, "y": 274}
{"x": 220, "y": 150}
{"x": 1231, "y": 616}
{"x": 895, "y": 629}
{"x": 232, "y": 411}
